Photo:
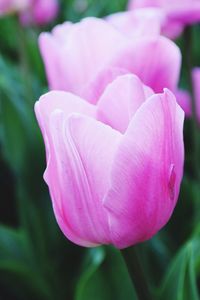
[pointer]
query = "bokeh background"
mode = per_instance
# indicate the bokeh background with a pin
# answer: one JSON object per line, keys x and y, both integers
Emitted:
{"x": 36, "y": 260}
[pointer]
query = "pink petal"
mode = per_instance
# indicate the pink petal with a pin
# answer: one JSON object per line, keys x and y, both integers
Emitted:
{"x": 78, "y": 170}
{"x": 147, "y": 172}
{"x": 89, "y": 46}
{"x": 156, "y": 61}
{"x": 120, "y": 101}
{"x": 144, "y": 3}
{"x": 95, "y": 88}
{"x": 178, "y": 13}
{"x": 172, "y": 28}
{"x": 185, "y": 12}
{"x": 138, "y": 23}
{"x": 53, "y": 61}
{"x": 62, "y": 101}
{"x": 184, "y": 100}
{"x": 60, "y": 31}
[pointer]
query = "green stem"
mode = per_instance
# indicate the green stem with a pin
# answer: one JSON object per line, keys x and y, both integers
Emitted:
{"x": 136, "y": 272}
{"x": 24, "y": 62}
{"x": 195, "y": 122}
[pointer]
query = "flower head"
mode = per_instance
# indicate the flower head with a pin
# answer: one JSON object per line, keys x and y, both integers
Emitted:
{"x": 113, "y": 169}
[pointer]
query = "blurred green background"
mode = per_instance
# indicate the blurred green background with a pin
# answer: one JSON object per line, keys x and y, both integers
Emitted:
{"x": 36, "y": 260}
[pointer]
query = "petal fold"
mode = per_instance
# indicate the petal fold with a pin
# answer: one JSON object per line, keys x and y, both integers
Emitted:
{"x": 156, "y": 61}
{"x": 147, "y": 172}
{"x": 120, "y": 101}
{"x": 81, "y": 151}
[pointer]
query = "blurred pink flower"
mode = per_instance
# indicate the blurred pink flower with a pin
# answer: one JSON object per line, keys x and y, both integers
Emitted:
{"x": 39, "y": 12}
{"x": 31, "y": 11}
{"x": 10, "y": 6}
{"x": 185, "y": 99}
{"x": 84, "y": 57}
{"x": 178, "y": 13}
{"x": 113, "y": 169}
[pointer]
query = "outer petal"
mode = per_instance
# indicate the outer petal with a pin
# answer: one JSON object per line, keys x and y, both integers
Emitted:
{"x": 185, "y": 12}
{"x": 156, "y": 61}
{"x": 184, "y": 100}
{"x": 144, "y": 3}
{"x": 172, "y": 29}
{"x": 95, "y": 88}
{"x": 137, "y": 23}
{"x": 147, "y": 172}
{"x": 78, "y": 170}
{"x": 63, "y": 101}
{"x": 178, "y": 13}
{"x": 120, "y": 101}
{"x": 60, "y": 32}
{"x": 82, "y": 56}
{"x": 53, "y": 61}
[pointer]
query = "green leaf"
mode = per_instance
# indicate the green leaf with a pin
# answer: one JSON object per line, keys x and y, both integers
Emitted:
{"x": 105, "y": 277}
{"x": 18, "y": 265}
{"x": 16, "y": 117}
{"x": 180, "y": 280}
{"x": 93, "y": 261}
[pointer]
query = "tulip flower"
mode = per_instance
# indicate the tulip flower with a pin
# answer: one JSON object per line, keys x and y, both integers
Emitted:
{"x": 113, "y": 169}
{"x": 83, "y": 58}
{"x": 31, "y": 11}
{"x": 10, "y": 6}
{"x": 39, "y": 12}
{"x": 178, "y": 13}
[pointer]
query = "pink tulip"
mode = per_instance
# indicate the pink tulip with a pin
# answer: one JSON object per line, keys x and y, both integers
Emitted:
{"x": 39, "y": 12}
{"x": 178, "y": 13}
{"x": 10, "y": 6}
{"x": 113, "y": 169}
{"x": 83, "y": 58}
{"x": 31, "y": 11}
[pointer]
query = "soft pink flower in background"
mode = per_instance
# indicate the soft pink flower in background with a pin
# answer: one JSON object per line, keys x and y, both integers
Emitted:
{"x": 86, "y": 56}
{"x": 10, "y": 6}
{"x": 178, "y": 13}
{"x": 39, "y": 12}
{"x": 31, "y": 11}
{"x": 185, "y": 99}
{"x": 113, "y": 169}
